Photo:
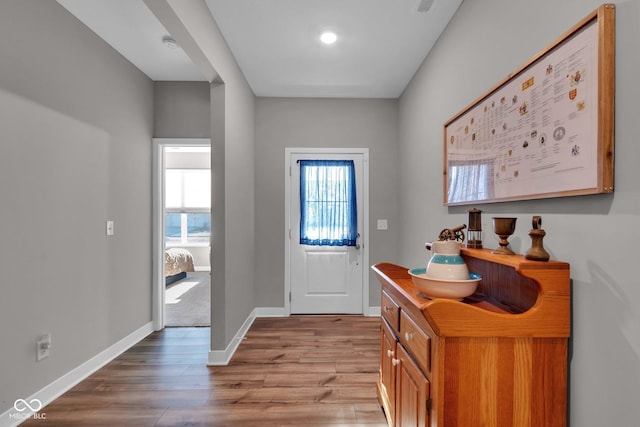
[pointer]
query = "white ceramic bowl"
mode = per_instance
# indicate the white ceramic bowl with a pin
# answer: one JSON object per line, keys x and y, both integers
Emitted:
{"x": 442, "y": 288}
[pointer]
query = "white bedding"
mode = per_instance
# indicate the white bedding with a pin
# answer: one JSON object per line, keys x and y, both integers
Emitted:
{"x": 177, "y": 260}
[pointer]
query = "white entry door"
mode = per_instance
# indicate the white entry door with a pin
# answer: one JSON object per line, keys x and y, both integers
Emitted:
{"x": 325, "y": 276}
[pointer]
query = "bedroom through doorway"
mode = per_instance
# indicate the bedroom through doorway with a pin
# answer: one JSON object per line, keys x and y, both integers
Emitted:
{"x": 184, "y": 229}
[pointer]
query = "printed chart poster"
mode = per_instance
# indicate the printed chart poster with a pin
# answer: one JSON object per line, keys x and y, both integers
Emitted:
{"x": 536, "y": 134}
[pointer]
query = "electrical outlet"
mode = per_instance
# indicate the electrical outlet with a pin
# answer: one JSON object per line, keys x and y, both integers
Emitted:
{"x": 382, "y": 224}
{"x": 43, "y": 345}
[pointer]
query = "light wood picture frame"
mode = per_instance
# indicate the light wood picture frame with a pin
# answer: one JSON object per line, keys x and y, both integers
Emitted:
{"x": 546, "y": 130}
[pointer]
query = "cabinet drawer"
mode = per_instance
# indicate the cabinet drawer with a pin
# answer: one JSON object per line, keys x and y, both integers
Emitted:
{"x": 390, "y": 311}
{"x": 416, "y": 341}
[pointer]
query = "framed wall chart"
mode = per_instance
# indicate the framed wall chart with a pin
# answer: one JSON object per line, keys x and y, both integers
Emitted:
{"x": 546, "y": 130}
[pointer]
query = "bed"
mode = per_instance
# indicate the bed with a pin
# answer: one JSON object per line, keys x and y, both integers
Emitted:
{"x": 177, "y": 262}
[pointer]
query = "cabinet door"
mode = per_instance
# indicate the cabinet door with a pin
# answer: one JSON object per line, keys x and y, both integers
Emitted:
{"x": 388, "y": 361}
{"x": 412, "y": 393}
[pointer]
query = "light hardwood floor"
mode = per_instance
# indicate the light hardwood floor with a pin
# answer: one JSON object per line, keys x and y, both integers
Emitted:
{"x": 296, "y": 371}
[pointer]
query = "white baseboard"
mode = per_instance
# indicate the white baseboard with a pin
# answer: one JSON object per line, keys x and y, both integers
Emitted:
{"x": 373, "y": 312}
{"x": 222, "y": 357}
{"x": 270, "y": 312}
{"x": 49, "y": 393}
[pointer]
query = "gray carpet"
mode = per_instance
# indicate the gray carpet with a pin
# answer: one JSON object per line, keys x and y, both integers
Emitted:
{"x": 188, "y": 301}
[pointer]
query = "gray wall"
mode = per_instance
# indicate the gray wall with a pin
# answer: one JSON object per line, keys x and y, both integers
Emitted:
{"x": 181, "y": 110}
{"x": 76, "y": 123}
{"x": 294, "y": 122}
{"x": 485, "y": 41}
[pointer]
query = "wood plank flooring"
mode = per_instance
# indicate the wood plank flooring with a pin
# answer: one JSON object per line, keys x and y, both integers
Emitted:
{"x": 295, "y": 371}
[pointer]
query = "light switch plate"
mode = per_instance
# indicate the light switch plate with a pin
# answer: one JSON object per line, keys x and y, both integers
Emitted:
{"x": 43, "y": 346}
{"x": 110, "y": 228}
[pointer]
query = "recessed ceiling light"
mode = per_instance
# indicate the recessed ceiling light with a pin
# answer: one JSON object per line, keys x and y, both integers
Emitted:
{"x": 328, "y": 37}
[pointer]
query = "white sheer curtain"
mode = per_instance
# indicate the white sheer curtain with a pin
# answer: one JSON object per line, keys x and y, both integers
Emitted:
{"x": 328, "y": 213}
{"x": 470, "y": 181}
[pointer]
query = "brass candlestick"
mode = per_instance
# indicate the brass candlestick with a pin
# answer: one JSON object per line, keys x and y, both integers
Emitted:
{"x": 537, "y": 252}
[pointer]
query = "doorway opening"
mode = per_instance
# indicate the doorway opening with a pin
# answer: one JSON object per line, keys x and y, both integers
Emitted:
{"x": 182, "y": 233}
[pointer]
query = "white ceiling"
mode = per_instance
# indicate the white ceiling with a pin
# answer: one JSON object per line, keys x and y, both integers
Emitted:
{"x": 381, "y": 43}
{"x": 130, "y": 28}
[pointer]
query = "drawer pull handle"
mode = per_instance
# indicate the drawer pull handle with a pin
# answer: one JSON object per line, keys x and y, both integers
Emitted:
{"x": 408, "y": 336}
{"x": 387, "y": 308}
{"x": 390, "y": 353}
{"x": 395, "y": 362}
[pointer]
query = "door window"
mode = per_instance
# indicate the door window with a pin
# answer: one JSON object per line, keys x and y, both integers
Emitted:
{"x": 328, "y": 212}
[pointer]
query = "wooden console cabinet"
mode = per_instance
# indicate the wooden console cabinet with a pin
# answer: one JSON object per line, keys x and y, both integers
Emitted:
{"x": 496, "y": 358}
